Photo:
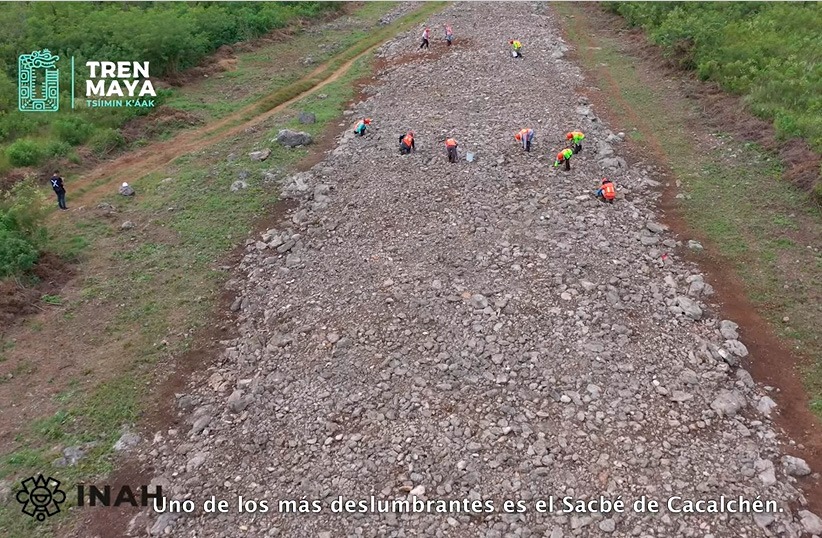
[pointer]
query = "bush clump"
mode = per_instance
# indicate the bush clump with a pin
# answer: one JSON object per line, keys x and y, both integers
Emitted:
{"x": 105, "y": 141}
{"x": 766, "y": 52}
{"x": 24, "y": 153}
{"x": 73, "y": 130}
{"x": 22, "y": 231}
{"x": 58, "y": 148}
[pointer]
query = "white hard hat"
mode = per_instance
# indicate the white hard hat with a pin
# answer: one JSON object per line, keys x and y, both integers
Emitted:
{"x": 125, "y": 184}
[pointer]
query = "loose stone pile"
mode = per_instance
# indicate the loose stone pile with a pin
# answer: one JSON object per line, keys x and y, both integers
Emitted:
{"x": 481, "y": 331}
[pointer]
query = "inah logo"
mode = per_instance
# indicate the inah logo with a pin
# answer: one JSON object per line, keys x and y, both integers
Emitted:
{"x": 41, "y": 497}
{"x": 37, "y": 72}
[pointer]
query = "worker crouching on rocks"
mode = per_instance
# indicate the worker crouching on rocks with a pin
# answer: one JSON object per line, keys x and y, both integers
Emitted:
{"x": 525, "y": 137}
{"x": 407, "y": 143}
{"x": 575, "y": 139}
{"x": 451, "y": 148}
{"x": 564, "y": 156}
{"x": 516, "y": 48}
{"x": 359, "y": 128}
{"x": 607, "y": 192}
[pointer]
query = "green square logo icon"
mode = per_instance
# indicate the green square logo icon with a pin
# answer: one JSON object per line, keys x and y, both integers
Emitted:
{"x": 38, "y": 82}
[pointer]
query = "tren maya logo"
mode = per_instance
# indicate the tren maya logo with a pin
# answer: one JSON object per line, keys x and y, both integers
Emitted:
{"x": 38, "y": 82}
{"x": 109, "y": 84}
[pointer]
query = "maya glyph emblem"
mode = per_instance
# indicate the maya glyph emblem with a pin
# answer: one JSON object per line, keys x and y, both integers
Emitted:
{"x": 38, "y": 82}
{"x": 41, "y": 497}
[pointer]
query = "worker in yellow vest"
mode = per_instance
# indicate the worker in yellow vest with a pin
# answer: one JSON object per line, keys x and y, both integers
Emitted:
{"x": 564, "y": 156}
{"x": 575, "y": 139}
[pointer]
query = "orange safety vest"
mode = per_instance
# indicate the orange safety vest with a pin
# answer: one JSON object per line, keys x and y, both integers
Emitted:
{"x": 450, "y": 143}
{"x": 608, "y": 191}
{"x": 408, "y": 140}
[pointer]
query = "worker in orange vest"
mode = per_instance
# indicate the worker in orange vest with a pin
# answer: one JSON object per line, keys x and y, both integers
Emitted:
{"x": 451, "y": 148}
{"x": 607, "y": 192}
{"x": 407, "y": 143}
{"x": 575, "y": 139}
{"x": 359, "y": 129}
{"x": 525, "y": 137}
{"x": 564, "y": 156}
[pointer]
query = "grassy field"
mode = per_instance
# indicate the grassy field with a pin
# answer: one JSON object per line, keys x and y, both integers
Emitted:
{"x": 731, "y": 195}
{"x": 170, "y": 37}
{"x": 143, "y": 293}
{"x": 767, "y": 52}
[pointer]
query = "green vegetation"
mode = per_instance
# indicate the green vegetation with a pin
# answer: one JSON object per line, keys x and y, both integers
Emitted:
{"x": 170, "y": 36}
{"x": 22, "y": 232}
{"x": 168, "y": 278}
{"x": 155, "y": 285}
{"x": 769, "y": 240}
{"x": 24, "y": 153}
{"x": 768, "y": 52}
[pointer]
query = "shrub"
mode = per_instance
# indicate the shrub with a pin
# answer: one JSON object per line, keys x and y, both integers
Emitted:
{"x": 767, "y": 52}
{"x": 58, "y": 148}
{"x": 106, "y": 140}
{"x": 73, "y": 130}
{"x": 16, "y": 254}
{"x": 22, "y": 232}
{"x": 24, "y": 153}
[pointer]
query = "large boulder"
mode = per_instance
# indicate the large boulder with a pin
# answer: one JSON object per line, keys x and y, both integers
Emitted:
{"x": 728, "y": 403}
{"x": 614, "y": 163}
{"x": 307, "y": 118}
{"x": 291, "y": 139}
{"x": 260, "y": 155}
{"x": 689, "y": 307}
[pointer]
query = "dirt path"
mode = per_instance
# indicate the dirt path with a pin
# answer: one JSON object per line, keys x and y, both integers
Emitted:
{"x": 136, "y": 164}
{"x": 466, "y": 334}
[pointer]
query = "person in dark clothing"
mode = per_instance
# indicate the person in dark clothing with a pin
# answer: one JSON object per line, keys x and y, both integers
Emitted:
{"x": 407, "y": 143}
{"x": 426, "y": 35}
{"x": 451, "y": 149}
{"x": 59, "y": 189}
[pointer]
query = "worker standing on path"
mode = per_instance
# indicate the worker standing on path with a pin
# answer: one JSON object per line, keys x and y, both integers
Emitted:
{"x": 607, "y": 192}
{"x": 359, "y": 128}
{"x": 59, "y": 189}
{"x": 451, "y": 148}
{"x": 564, "y": 156}
{"x": 575, "y": 139}
{"x": 449, "y": 35}
{"x": 525, "y": 137}
{"x": 516, "y": 48}
{"x": 426, "y": 35}
{"x": 407, "y": 143}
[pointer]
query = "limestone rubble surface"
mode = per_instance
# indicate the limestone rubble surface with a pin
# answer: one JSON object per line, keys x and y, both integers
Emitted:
{"x": 482, "y": 330}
